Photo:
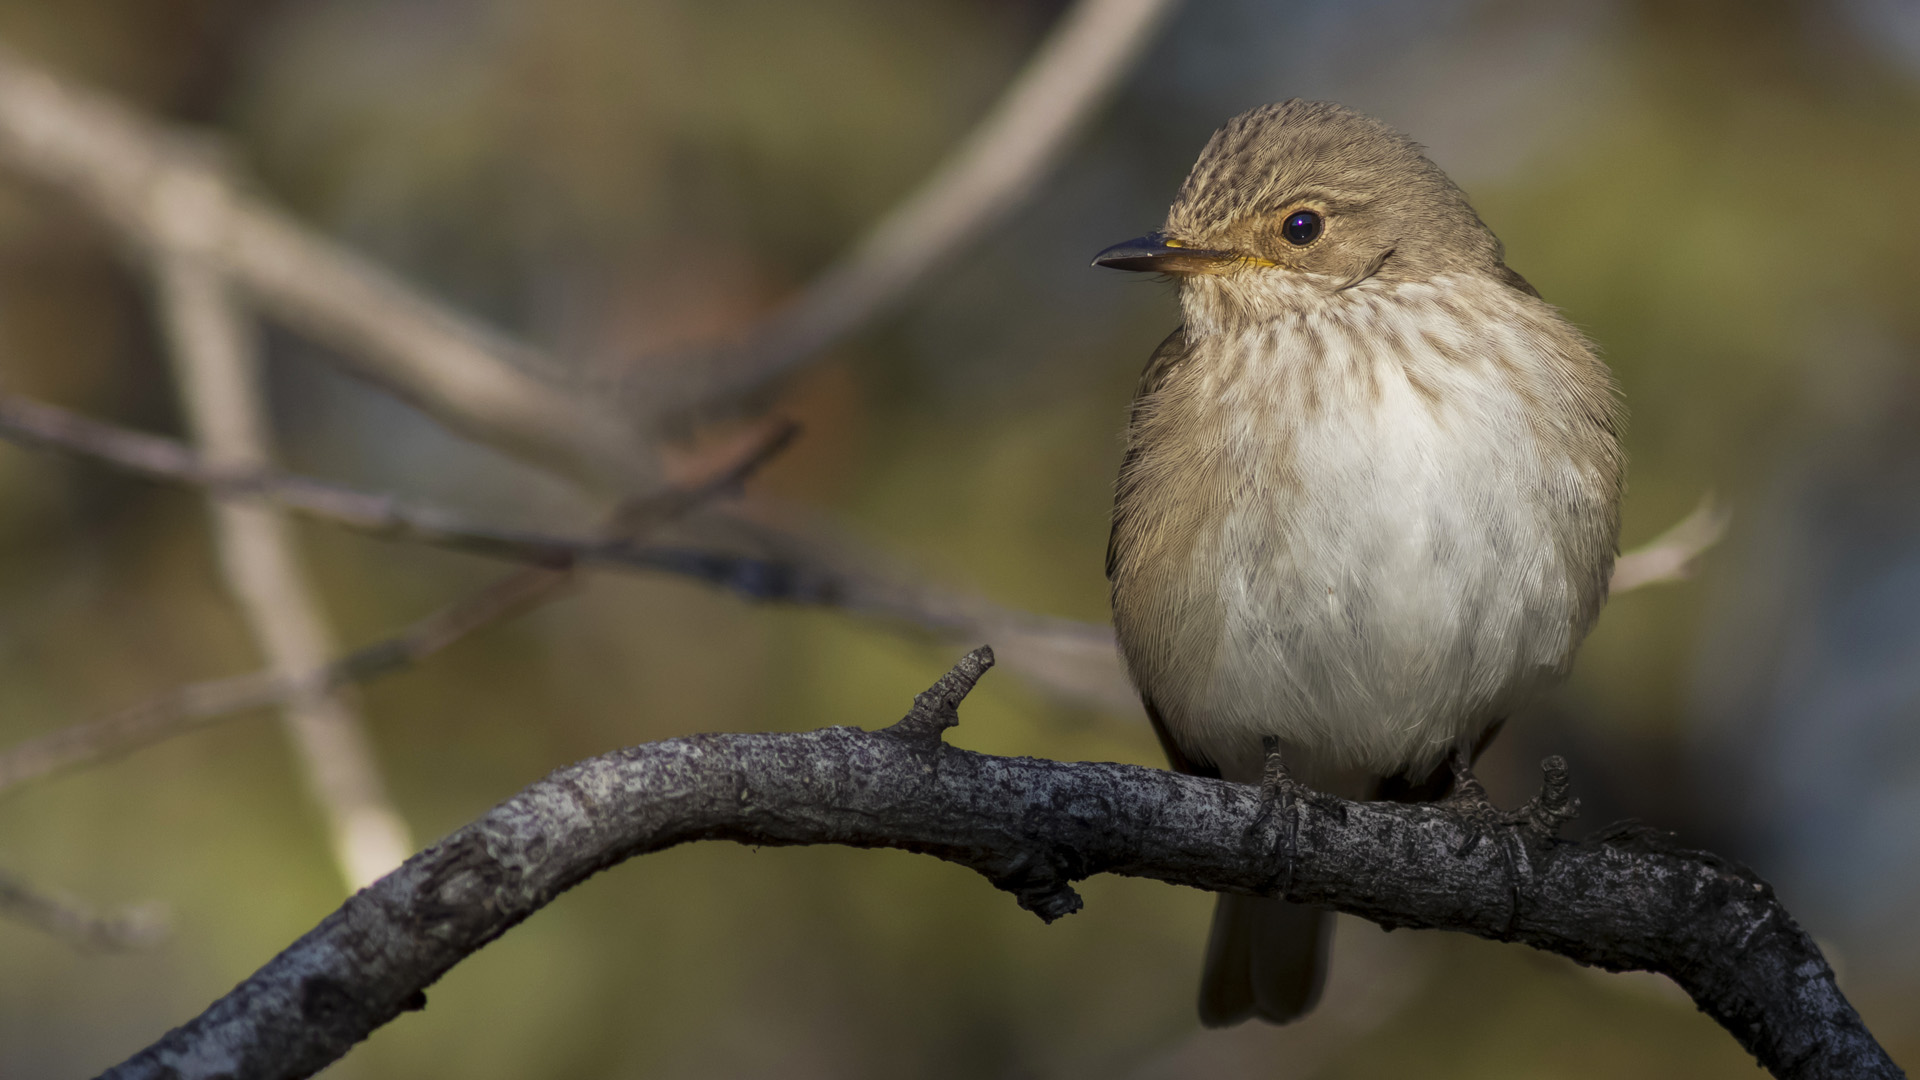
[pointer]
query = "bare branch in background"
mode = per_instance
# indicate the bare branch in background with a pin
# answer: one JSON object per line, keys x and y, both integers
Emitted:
{"x": 190, "y": 707}
{"x": 475, "y": 379}
{"x": 786, "y": 563}
{"x": 138, "y": 927}
{"x": 1671, "y": 555}
{"x": 988, "y": 175}
{"x": 137, "y": 175}
{"x": 795, "y": 561}
{"x": 382, "y": 515}
{"x": 1626, "y": 899}
{"x": 145, "y": 180}
{"x": 216, "y": 366}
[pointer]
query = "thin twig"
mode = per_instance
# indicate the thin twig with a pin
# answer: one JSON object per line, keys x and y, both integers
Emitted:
{"x": 380, "y": 515}
{"x": 987, "y": 175}
{"x": 145, "y": 180}
{"x": 216, "y": 366}
{"x": 36, "y": 424}
{"x": 1671, "y": 555}
{"x": 191, "y": 707}
{"x": 139, "y": 927}
{"x": 1626, "y": 899}
{"x": 804, "y": 562}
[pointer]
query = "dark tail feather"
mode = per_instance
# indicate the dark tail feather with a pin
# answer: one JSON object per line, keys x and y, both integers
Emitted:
{"x": 1265, "y": 958}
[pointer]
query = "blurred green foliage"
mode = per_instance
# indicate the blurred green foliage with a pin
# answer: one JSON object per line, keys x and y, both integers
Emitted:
{"x": 1721, "y": 193}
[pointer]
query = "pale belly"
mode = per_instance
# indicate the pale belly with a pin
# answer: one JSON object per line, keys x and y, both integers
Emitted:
{"x": 1381, "y": 581}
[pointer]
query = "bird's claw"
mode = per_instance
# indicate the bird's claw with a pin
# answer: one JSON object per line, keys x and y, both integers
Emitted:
{"x": 1541, "y": 817}
{"x": 1278, "y": 790}
{"x": 1277, "y": 787}
{"x": 1469, "y": 801}
{"x": 1276, "y": 784}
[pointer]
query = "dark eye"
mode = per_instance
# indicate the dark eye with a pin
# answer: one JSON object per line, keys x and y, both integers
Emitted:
{"x": 1302, "y": 228}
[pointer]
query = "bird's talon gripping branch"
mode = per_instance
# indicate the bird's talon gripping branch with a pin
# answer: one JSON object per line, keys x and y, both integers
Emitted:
{"x": 1278, "y": 790}
{"x": 1276, "y": 784}
{"x": 1277, "y": 787}
{"x": 1467, "y": 789}
{"x": 1470, "y": 803}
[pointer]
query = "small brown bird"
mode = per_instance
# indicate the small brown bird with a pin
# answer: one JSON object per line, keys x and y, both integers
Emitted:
{"x": 1370, "y": 498}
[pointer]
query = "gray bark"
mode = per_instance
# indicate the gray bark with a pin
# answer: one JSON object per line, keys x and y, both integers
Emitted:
{"x": 1627, "y": 898}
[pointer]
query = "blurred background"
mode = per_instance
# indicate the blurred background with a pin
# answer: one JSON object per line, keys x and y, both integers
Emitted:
{"x": 1720, "y": 192}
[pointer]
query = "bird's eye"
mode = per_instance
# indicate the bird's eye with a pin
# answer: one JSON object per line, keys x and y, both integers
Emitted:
{"x": 1302, "y": 227}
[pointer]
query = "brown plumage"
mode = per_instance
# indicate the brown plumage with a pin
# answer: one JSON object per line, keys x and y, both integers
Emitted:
{"x": 1370, "y": 496}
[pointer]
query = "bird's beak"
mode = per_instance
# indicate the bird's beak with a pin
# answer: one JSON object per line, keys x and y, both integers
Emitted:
{"x": 1157, "y": 253}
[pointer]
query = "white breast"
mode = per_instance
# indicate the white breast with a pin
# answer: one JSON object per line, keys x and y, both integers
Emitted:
{"x": 1389, "y": 565}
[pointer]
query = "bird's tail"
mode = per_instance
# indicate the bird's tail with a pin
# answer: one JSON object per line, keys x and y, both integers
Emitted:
{"x": 1265, "y": 958}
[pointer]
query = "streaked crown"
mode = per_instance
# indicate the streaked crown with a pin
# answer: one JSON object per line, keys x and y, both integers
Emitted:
{"x": 1378, "y": 193}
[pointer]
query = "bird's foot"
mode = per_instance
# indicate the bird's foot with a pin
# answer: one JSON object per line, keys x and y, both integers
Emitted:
{"x": 1467, "y": 791}
{"x": 1541, "y": 817}
{"x": 1276, "y": 784}
{"x": 1278, "y": 790}
{"x": 1469, "y": 800}
{"x": 1277, "y": 787}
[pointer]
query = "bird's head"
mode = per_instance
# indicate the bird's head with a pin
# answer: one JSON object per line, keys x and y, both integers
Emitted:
{"x": 1316, "y": 192}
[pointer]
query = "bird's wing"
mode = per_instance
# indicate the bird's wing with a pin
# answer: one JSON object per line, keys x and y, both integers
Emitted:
{"x": 1177, "y": 758}
{"x": 1170, "y": 354}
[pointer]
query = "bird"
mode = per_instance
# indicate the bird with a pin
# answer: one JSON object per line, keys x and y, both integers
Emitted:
{"x": 1369, "y": 500}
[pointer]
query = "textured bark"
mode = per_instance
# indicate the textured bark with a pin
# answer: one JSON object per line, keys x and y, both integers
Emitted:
{"x": 1626, "y": 899}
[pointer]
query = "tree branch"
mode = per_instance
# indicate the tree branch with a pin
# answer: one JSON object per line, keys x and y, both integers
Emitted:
{"x": 1628, "y": 898}
{"x": 789, "y": 566}
{"x": 1671, "y": 556}
{"x": 137, "y": 927}
{"x": 189, "y": 707}
{"x": 157, "y": 186}
{"x": 194, "y": 705}
{"x": 986, "y": 176}
{"x": 216, "y": 366}
{"x": 143, "y": 179}
{"x": 381, "y": 515}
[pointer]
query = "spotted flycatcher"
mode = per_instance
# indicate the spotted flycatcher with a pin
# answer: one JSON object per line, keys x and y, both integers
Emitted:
{"x": 1370, "y": 498}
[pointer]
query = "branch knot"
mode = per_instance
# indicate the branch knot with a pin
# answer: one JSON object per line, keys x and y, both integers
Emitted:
{"x": 938, "y": 707}
{"x": 1545, "y": 813}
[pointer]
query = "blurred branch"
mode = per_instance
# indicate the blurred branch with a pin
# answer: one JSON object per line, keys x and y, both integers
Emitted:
{"x": 160, "y": 188}
{"x": 1671, "y": 555}
{"x": 1627, "y": 899}
{"x": 386, "y": 516}
{"x": 989, "y": 174}
{"x": 38, "y": 424}
{"x": 190, "y": 707}
{"x": 143, "y": 179}
{"x": 804, "y": 563}
{"x": 787, "y": 565}
{"x": 138, "y": 927}
{"x": 216, "y": 366}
